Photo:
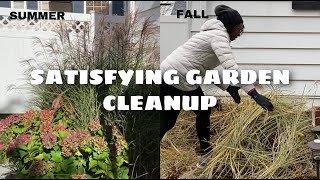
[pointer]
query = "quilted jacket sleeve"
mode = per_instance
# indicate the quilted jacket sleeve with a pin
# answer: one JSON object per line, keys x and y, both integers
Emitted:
{"x": 221, "y": 46}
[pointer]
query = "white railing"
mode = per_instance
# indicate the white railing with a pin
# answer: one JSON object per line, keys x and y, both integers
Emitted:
{"x": 76, "y": 22}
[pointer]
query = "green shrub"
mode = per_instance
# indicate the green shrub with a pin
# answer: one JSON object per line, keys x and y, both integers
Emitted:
{"x": 42, "y": 144}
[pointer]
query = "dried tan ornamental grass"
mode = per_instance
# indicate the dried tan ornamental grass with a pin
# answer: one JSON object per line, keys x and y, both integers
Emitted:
{"x": 248, "y": 142}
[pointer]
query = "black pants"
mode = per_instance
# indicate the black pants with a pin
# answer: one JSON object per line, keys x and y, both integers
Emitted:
{"x": 168, "y": 118}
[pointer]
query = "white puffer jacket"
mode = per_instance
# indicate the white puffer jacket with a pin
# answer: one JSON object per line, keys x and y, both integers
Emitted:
{"x": 205, "y": 50}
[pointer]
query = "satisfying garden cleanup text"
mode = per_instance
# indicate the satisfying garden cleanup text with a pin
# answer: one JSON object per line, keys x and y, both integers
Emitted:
{"x": 193, "y": 77}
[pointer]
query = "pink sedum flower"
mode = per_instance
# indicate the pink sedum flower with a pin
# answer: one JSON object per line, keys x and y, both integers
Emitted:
{"x": 7, "y": 122}
{"x": 94, "y": 125}
{"x": 46, "y": 133}
{"x": 29, "y": 115}
{"x": 71, "y": 143}
{"x": 99, "y": 143}
{"x": 20, "y": 139}
{"x": 49, "y": 140}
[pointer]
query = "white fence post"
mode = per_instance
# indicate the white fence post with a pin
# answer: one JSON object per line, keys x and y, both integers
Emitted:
{"x": 92, "y": 28}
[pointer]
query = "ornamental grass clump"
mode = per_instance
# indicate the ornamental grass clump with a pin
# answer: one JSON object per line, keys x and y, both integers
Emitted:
{"x": 127, "y": 43}
{"x": 248, "y": 142}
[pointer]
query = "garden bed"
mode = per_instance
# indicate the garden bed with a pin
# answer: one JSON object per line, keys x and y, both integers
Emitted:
{"x": 45, "y": 144}
{"x": 248, "y": 142}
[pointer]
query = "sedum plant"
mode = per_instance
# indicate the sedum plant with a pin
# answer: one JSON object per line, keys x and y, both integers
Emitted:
{"x": 43, "y": 144}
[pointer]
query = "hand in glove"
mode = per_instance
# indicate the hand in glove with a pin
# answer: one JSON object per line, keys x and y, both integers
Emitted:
{"x": 261, "y": 100}
{"x": 233, "y": 91}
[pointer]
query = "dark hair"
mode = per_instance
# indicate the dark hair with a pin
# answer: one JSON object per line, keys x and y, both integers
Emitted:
{"x": 228, "y": 16}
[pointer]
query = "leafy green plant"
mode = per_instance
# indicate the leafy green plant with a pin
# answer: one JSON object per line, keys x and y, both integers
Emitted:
{"x": 42, "y": 144}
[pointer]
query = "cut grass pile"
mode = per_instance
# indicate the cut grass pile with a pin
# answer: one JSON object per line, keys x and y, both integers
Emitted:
{"x": 248, "y": 142}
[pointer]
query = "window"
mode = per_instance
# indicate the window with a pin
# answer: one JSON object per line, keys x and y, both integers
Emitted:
{"x": 98, "y": 6}
{"x": 118, "y": 8}
{"x": 106, "y": 7}
{"x": 33, "y": 5}
{"x": 77, "y": 6}
{"x": 6, "y": 4}
{"x": 306, "y": 5}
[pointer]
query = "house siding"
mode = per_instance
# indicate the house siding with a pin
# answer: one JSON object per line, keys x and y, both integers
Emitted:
{"x": 148, "y": 9}
{"x": 275, "y": 37}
